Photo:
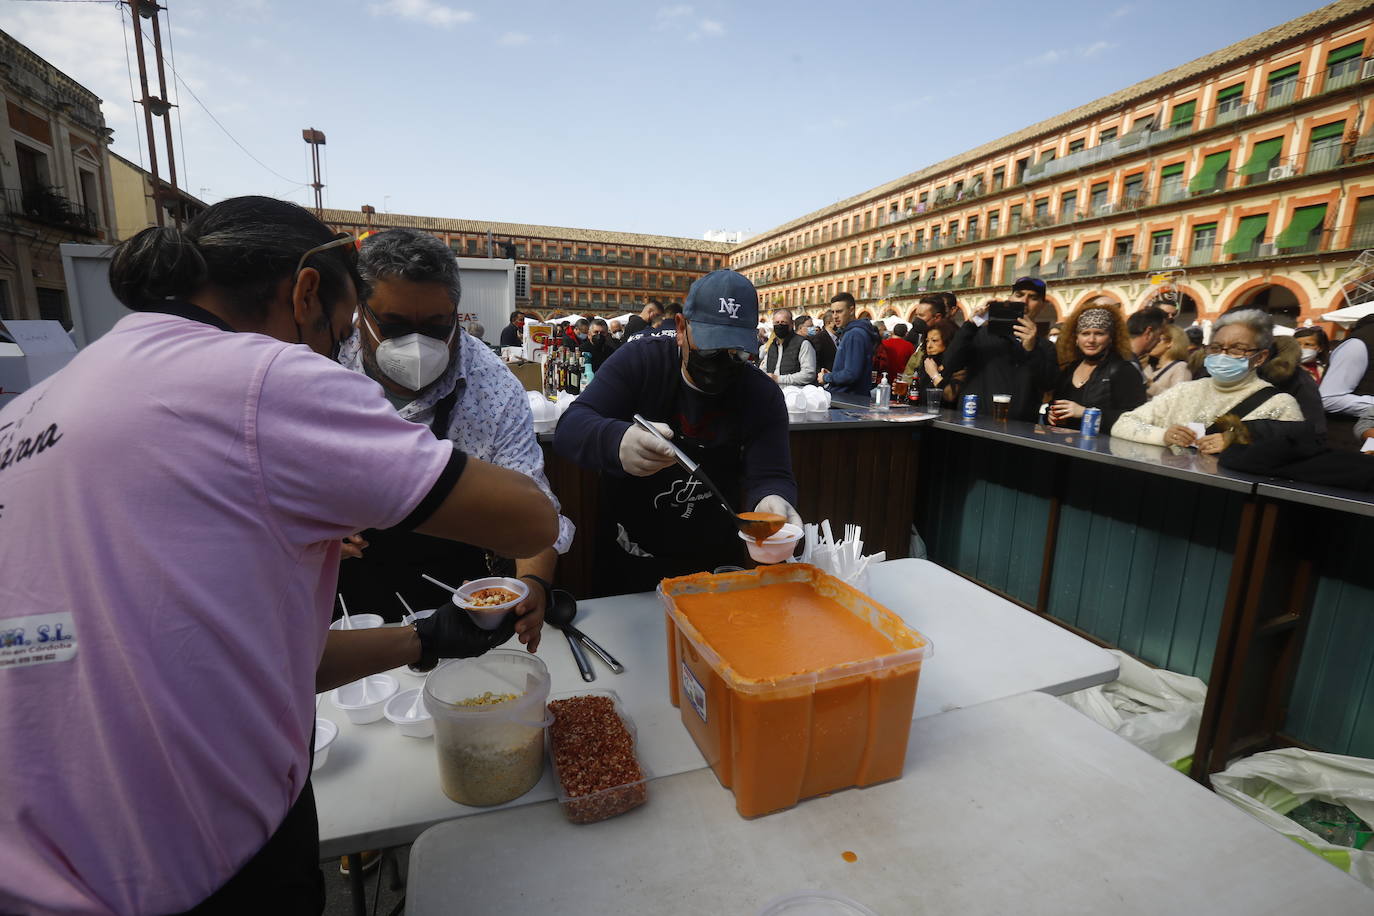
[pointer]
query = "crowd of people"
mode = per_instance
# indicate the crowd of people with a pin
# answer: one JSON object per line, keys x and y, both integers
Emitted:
{"x": 289, "y": 415}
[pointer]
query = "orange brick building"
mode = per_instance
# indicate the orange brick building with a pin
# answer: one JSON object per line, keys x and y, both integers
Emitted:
{"x": 1246, "y": 175}
{"x": 586, "y": 271}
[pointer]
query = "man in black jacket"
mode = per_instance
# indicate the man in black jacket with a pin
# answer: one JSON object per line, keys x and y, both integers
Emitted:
{"x": 513, "y": 334}
{"x": 789, "y": 359}
{"x": 647, "y": 316}
{"x": 1022, "y": 364}
{"x": 694, "y": 381}
{"x": 820, "y": 341}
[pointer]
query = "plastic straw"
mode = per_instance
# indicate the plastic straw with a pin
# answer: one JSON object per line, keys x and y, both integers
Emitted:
{"x": 348, "y": 621}
{"x": 429, "y": 578}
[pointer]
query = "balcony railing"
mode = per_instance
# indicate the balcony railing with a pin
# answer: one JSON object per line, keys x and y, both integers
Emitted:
{"x": 42, "y": 204}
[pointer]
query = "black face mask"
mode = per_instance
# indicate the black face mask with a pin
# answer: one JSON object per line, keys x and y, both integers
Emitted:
{"x": 782, "y": 331}
{"x": 713, "y": 371}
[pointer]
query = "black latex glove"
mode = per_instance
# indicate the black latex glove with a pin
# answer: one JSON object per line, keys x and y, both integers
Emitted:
{"x": 450, "y": 633}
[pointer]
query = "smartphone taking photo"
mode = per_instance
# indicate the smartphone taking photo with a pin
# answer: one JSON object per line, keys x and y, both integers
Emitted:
{"x": 1002, "y": 317}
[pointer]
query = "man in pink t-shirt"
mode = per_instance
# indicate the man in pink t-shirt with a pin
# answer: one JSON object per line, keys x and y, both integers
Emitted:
{"x": 171, "y": 509}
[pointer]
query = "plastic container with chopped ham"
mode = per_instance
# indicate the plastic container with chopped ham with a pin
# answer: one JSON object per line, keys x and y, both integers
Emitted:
{"x": 596, "y": 769}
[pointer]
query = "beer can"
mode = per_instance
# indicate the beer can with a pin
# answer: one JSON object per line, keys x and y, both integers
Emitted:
{"x": 1092, "y": 422}
{"x": 970, "y": 406}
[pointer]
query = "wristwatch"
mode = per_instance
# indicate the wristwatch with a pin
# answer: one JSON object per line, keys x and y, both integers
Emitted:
{"x": 548, "y": 588}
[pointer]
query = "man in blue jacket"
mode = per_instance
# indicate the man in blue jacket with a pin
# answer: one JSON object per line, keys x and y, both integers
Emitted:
{"x": 852, "y": 378}
{"x": 692, "y": 378}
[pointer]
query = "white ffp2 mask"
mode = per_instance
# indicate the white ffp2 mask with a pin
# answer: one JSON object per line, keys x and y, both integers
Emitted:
{"x": 414, "y": 360}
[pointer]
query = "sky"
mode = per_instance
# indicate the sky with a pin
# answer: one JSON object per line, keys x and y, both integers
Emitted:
{"x": 674, "y": 118}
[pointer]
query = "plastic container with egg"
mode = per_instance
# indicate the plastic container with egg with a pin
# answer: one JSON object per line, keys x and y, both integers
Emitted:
{"x": 364, "y": 700}
{"x": 490, "y": 616}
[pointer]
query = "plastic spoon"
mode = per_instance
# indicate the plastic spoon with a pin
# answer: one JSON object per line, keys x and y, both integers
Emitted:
{"x": 348, "y": 621}
{"x": 409, "y": 615}
{"x": 757, "y": 525}
{"x": 434, "y": 581}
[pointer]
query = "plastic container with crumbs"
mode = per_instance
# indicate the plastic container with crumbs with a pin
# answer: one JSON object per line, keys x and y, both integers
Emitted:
{"x": 775, "y": 737}
{"x": 616, "y": 798}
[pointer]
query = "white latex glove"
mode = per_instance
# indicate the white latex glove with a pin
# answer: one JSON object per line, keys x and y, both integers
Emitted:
{"x": 641, "y": 454}
{"x": 779, "y": 506}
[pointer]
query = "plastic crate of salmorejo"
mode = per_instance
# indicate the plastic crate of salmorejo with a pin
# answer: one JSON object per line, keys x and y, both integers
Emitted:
{"x": 792, "y": 683}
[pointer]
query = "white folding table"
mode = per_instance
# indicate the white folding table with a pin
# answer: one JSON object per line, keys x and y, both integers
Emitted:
{"x": 1019, "y": 805}
{"x": 379, "y": 789}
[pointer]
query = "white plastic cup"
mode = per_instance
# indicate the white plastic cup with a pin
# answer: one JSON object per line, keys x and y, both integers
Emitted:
{"x": 359, "y": 621}
{"x": 325, "y": 733}
{"x": 489, "y": 618}
{"x": 420, "y": 725}
{"x": 774, "y": 549}
{"x": 364, "y": 700}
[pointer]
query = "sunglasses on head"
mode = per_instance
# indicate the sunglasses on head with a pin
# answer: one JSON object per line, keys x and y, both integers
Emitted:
{"x": 343, "y": 240}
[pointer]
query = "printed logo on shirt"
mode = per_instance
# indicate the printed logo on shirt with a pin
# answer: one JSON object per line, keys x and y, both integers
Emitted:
{"x": 36, "y": 640}
{"x": 19, "y": 443}
{"x": 683, "y": 494}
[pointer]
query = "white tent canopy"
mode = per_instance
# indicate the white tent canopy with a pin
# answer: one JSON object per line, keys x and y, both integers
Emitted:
{"x": 1349, "y": 315}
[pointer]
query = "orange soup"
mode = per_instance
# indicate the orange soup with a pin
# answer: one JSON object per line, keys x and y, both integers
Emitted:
{"x": 781, "y": 629}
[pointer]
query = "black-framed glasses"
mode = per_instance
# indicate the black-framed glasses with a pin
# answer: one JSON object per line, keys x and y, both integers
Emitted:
{"x": 393, "y": 329}
{"x": 1235, "y": 350}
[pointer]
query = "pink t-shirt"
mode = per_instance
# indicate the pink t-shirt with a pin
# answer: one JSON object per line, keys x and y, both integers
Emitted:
{"x": 171, "y": 505}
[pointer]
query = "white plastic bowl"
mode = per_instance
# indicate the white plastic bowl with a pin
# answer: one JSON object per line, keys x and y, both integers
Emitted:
{"x": 325, "y": 733}
{"x": 360, "y": 622}
{"x": 421, "y": 725}
{"x": 489, "y": 618}
{"x": 776, "y": 548}
{"x": 364, "y": 700}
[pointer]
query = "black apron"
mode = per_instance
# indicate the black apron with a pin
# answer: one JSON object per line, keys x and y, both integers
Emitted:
{"x": 393, "y": 560}
{"x": 672, "y": 518}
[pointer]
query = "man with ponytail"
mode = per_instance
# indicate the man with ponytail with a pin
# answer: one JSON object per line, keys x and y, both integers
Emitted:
{"x": 172, "y": 505}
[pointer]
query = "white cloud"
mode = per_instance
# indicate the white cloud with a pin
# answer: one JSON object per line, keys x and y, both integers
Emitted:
{"x": 711, "y": 27}
{"x": 667, "y": 14}
{"x": 1122, "y": 11}
{"x": 1096, "y": 48}
{"x": 425, "y": 11}
{"x": 1048, "y": 57}
{"x": 513, "y": 39}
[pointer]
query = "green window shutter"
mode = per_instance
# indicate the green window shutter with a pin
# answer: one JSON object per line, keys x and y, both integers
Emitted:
{"x": 1169, "y": 171}
{"x": 1033, "y": 259}
{"x": 1300, "y": 226}
{"x": 1183, "y": 114}
{"x": 1345, "y": 53}
{"x": 1260, "y": 157}
{"x": 1251, "y": 229}
{"x": 1232, "y": 92}
{"x": 1212, "y": 166}
{"x": 1285, "y": 73}
{"x": 1161, "y": 233}
{"x": 1328, "y": 131}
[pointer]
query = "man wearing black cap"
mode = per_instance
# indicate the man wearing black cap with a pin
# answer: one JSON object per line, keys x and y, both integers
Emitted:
{"x": 1021, "y": 364}
{"x": 693, "y": 380}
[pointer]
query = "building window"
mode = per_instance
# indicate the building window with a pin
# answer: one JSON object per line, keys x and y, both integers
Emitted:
{"x": 567, "y": 252}
{"x": 1076, "y": 146}
{"x": 1108, "y": 134}
{"x": 1343, "y": 66}
{"x": 1324, "y": 150}
{"x": 1161, "y": 246}
{"x": 1014, "y": 219}
{"x": 1229, "y": 103}
{"x": 994, "y": 223}
{"x": 1283, "y": 86}
{"x": 1363, "y": 235}
{"x": 1068, "y": 206}
{"x": 1264, "y": 156}
{"x": 1248, "y": 237}
{"x": 1212, "y": 175}
{"x": 52, "y": 306}
{"x": 1183, "y": 115}
{"x": 472, "y": 246}
{"x": 1021, "y": 165}
{"x": 973, "y": 228}
{"x": 1042, "y": 212}
{"x": 1098, "y": 200}
{"x": 1133, "y": 191}
{"x": 538, "y": 251}
{"x": 1171, "y": 183}
{"x": 519, "y": 251}
{"x": 999, "y": 180}
{"x": 1203, "y": 249}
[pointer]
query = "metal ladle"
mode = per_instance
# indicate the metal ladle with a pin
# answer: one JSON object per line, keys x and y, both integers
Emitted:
{"x": 757, "y": 525}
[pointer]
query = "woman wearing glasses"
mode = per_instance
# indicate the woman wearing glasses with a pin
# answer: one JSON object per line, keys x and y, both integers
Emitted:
{"x": 169, "y": 543}
{"x": 1240, "y": 345}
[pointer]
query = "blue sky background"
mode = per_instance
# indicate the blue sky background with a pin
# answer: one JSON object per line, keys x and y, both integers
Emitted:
{"x": 644, "y": 117}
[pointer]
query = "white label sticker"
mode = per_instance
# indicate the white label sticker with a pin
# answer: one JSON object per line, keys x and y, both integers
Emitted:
{"x": 696, "y": 694}
{"x": 36, "y": 640}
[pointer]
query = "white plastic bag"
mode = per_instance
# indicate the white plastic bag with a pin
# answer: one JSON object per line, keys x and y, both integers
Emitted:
{"x": 1270, "y": 784}
{"x": 1156, "y": 710}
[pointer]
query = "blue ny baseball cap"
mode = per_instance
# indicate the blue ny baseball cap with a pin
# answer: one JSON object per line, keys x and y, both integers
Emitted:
{"x": 723, "y": 311}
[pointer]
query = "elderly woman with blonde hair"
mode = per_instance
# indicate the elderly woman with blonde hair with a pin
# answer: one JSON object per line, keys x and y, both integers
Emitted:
{"x": 1167, "y": 364}
{"x": 1094, "y": 353}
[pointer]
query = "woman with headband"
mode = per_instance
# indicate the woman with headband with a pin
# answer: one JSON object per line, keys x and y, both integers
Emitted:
{"x": 1095, "y": 370}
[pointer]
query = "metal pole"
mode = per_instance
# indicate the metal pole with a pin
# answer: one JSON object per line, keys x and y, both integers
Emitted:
{"x": 147, "y": 111}
{"x": 166, "y": 105}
